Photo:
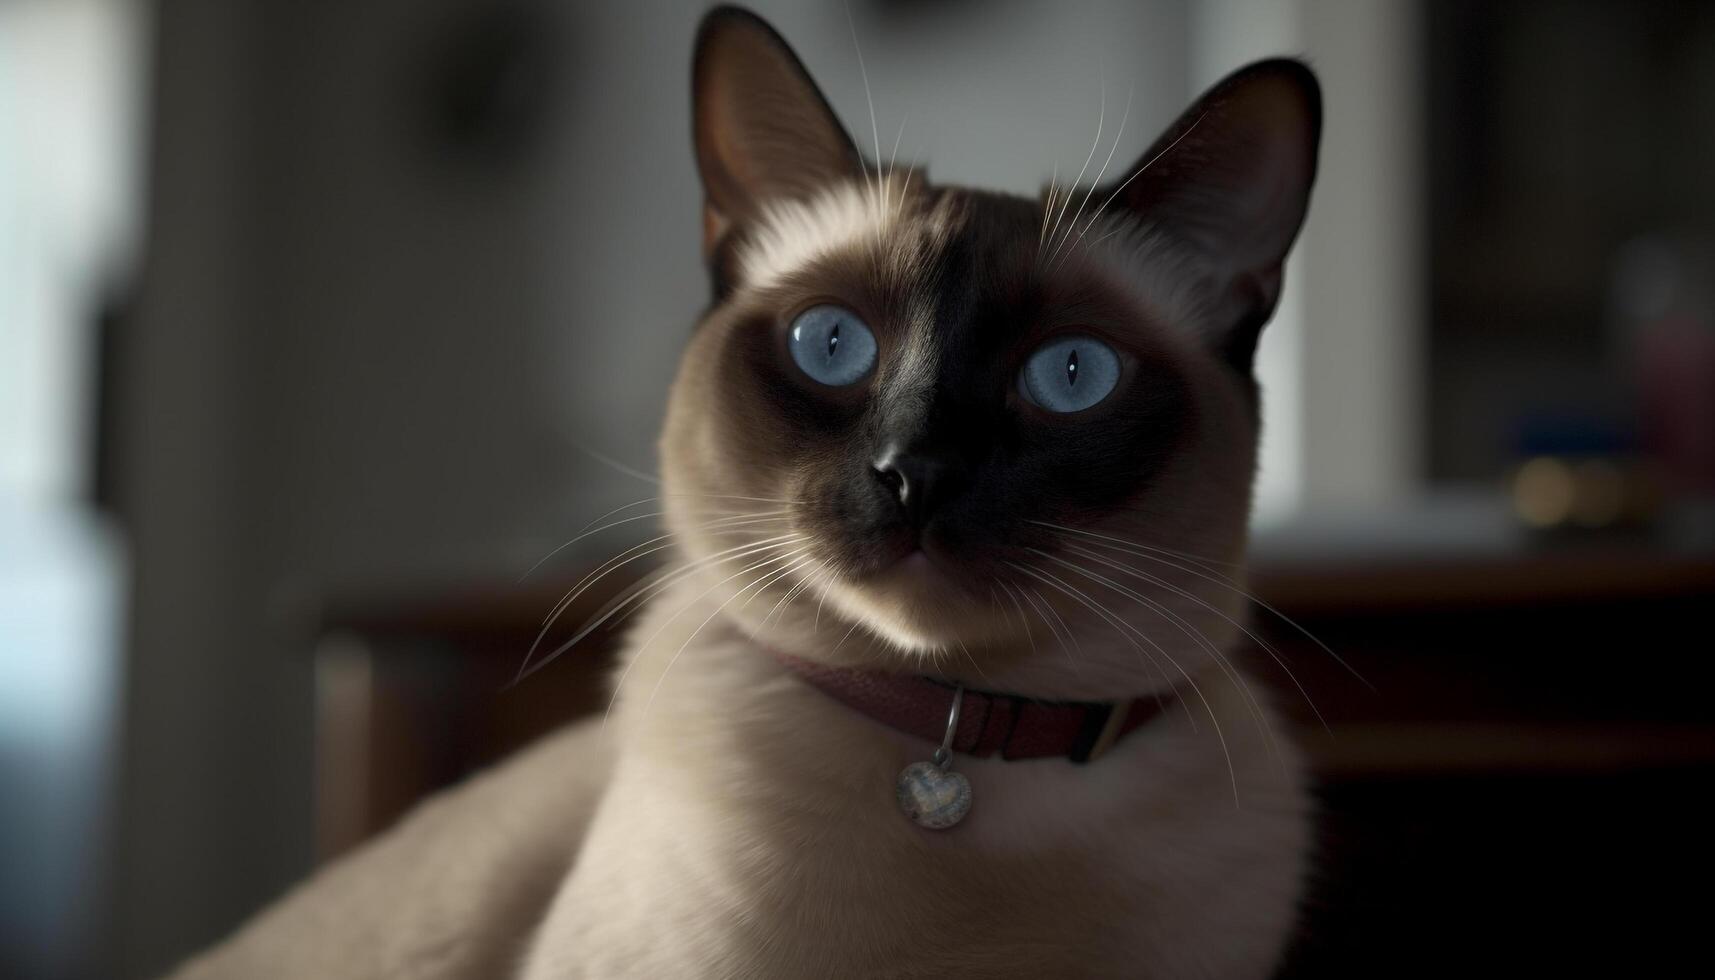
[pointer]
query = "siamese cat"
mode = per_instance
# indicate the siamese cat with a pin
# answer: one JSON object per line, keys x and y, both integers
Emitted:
{"x": 941, "y": 681}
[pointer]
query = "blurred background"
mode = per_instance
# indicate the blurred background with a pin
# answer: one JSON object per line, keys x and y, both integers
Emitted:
{"x": 321, "y": 323}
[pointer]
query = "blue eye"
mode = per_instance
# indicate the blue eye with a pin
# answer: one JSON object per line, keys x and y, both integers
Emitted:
{"x": 1070, "y": 374}
{"x": 832, "y": 345}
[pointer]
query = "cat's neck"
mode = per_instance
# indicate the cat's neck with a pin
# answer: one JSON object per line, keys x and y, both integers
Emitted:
{"x": 687, "y": 637}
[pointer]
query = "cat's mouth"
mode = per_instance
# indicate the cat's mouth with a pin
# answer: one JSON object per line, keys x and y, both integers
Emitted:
{"x": 916, "y": 557}
{"x": 922, "y": 570}
{"x": 924, "y": 597}
{"x": 916, "y": 564}
{"x": 934, "y": 561}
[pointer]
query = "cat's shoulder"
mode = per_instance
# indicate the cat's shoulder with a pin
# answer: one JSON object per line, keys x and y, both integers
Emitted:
{"x": 449, "y": 891}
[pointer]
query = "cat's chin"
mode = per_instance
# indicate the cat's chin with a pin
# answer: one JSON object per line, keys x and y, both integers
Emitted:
{"x": 917, "y": 568}
{"x": 918, "y": 605}
{"x": 919, "y": 582}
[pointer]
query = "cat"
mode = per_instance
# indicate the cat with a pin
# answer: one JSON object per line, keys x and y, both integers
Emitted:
{"x": 928, "y": 446}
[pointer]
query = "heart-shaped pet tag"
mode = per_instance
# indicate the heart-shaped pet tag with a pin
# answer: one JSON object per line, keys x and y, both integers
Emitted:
{"x": 933, "y": 796}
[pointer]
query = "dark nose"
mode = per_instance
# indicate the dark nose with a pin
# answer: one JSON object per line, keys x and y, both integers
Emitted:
{"x": 919, "y": 481}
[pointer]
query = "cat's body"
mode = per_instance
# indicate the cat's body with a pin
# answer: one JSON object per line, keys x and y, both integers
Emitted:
{"x": 754, "y": 836}
{"x": 921, "y": 431}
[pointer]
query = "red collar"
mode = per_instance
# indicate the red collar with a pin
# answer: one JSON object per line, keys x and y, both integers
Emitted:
{"x": 1015, "y": 727}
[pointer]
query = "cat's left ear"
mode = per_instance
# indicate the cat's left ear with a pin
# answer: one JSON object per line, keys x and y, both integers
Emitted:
{"x": 1230, "y": 180}
{"x": 763, "y": 130}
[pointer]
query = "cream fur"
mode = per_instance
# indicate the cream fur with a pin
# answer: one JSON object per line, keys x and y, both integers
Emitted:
{"x": 453, "y": 891}
{"x": 749, "y": 831}
{"x": 792, "y": 234}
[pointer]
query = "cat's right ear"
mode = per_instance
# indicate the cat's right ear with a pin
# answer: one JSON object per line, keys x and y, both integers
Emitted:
{"x": 1231, "y": 181}
{"x": 763, "y": 130}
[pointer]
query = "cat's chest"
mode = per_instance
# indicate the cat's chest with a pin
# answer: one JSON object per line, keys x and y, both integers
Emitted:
{"x": 677, "y": 881}
{"x": 751, "y": 828}
{"x": 800, "y": 864}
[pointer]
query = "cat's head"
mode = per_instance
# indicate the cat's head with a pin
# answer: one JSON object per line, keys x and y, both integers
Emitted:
{"x": 934, "y": 412}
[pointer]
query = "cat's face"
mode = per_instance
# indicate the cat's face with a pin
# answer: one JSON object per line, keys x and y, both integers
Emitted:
{"x": 917, "y": 411}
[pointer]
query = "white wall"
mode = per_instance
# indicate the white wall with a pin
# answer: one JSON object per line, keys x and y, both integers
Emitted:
{"x": 1365, "y": 308}
{"x": 1340, "y": 363}
{"x": 70, "y": 85}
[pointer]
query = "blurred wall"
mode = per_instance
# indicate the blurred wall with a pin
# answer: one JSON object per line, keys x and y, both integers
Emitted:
{"x": 69, "y": 131}
{"x": 1340, "y": 362}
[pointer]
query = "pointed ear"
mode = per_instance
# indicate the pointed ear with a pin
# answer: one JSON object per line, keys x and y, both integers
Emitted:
{"x": 1231, "y": 181}
{"x": 762, "y": 128}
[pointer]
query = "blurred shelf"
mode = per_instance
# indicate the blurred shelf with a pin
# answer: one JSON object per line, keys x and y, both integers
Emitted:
{"x": 1356, "y": 751}
{"x": 1327, "y": 581}
{"x": 1606, "y": 573}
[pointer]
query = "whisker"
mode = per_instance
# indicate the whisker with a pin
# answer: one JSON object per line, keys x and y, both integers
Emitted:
{"x": 1140, "y": 172}
{"x": 691, "y": 568}
{"x": 1165, "y": 679}
{"x": 893, "y": 159}
{"x": 1047, "y": 209}
{"x": 1203, "y": 560}
{"x": 1124, "y": 118}
{"x": 855, "y": 624}
{"x": 1122, "y": 626}
{"x": 774, "y": 577}
{"x": 1030, "y": 634}
{"x": 1023, "y": 620}
{"x": 583, "y": 535}
{"x": 793, "y": 593}
{"x": 619, "y": 684}
{"x": 662, "y": 498}
{"x": 875, "y": 134}
{"x": 661, "y": 543}
{"x": 1259, "y": 641}
{"x": 1063, "y": 633}
{"x": 726, "y": 525}
{"x": 827, "y": 586}
{"x": 590, "y": 528}
{"x": 1196, "y": 636}
{"x": 722, "y": 524}
{"x": 1101, "y": 117}
{"x": 1143, "y": 551}
{"x": 622, "y": 468}
{"x": 650, "y": 701}
{"x": 648, "y": 590}
{"x": 973, "y": 660}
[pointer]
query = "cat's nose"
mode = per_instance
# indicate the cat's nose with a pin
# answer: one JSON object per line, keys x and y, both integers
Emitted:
{"x": 918, "y": 481}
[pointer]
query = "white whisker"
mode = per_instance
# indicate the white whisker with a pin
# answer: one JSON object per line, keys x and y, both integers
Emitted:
{"x": 625, "y": 672}
{"x": 615, "y": 464}
{"x": 1196, "y": 636}
{"x": 646, "y": 591}
{"x": 613, "y": 564}
{"x": 1127, "y": 182}
{"x": 650, "y": 701}
{"x": 1123, "y": 627}
{"x": 893, "y": 159}
{"x": 1145, "y": 551}
{"x": 1101, "y": 117}
{"x": 1124, "y": 118}
{"x": 1047, "y": 209}
{"x": 875, "y": 134}
{"x": 1259, "y": 641}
